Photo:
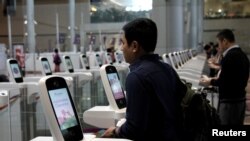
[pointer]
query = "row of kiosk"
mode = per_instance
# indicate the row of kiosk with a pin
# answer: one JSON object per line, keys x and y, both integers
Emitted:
{"x": 26, "y": 96}
{"x": 190, "y": 67}
{"x": 58, "y": 106}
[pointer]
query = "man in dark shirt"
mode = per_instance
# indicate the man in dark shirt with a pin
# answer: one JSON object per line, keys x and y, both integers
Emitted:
{"x": 153, "y": 88}
{"x": 231, "y": 81}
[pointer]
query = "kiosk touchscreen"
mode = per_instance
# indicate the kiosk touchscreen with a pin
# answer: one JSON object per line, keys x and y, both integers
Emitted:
{"x": 45, "y": 66}
{"x": 85, "y": 61}
{"x": 68, "y": 64}
{"x": 98, "y": 60}
{"x": 14, "y": 68}
{"x": 59, "y": 109}
{"x": 119, "y": 57}
{"x": 113, "y": 87}
{"x": 109, "y": 58}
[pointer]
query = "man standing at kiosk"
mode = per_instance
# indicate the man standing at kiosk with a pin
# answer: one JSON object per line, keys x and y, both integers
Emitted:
{"x": 231, "y": 81}
{"x": 153, "y": 88}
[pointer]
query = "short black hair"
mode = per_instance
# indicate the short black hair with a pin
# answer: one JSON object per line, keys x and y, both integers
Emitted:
{"x": 142, "y": 30}
{"x": 226, "y": 34}
{"x": 56, "y": 50}
{"x": 207, "y": 47}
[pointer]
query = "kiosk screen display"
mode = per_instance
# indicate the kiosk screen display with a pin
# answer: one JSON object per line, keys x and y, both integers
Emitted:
{"x": 69, "y": 64}
{"x": 46, "y": 67}
{"x": 15, "y": 70}
{"x": 115, "y": 86}
{"x": 63, "y": 108}
{"x": 99, "y": 60}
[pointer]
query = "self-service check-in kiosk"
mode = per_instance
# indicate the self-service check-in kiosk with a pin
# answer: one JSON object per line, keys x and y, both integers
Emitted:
{"x": 29, "y": 96}
{"x": 106, "y": 116}
{"x": 46, "y": 70}
{"x": 98, "y": 94}
{"x": 27, "y": 88}
{"x": 84, "y": 62}
{"x": 109, "y": 59}
{"x": 60, "y": 112}
{"x": 93, "y": 71}
{"x": 119, "y": 58}
{"x": 95, "y": 59}
{"x": 31, "y": 119}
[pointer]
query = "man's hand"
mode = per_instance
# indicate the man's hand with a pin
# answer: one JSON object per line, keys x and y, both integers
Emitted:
{"x": 109, "y": 133}
{"x": 205, "y": 80}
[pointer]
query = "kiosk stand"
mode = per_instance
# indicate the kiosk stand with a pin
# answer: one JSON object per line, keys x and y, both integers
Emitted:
{"x": 106, "y": 116}
{"x": 28, "y": 99}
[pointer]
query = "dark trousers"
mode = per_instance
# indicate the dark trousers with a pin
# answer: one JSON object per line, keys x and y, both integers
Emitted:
{"x": 232, "y": 113}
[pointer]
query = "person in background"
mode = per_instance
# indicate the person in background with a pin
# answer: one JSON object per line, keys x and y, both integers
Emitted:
{"x": 214, "y": 61}
{"x": 153, "y": 88}
{"x": 57, "y": 60}
{"x": 208, "y": 50}
{"x": 232, "y": 80}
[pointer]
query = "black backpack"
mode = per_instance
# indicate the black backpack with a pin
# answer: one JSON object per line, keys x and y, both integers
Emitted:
{"x": 198, "y": 115}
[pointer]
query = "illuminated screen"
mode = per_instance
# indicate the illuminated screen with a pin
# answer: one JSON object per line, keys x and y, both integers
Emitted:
{"x": 115, "y": 86}
{"x": 69, "y": 64}
{"x": 120, "y": 57}
{"x": 15, "y": 70}
{"x": 46, "y": 67}
{"x": 63, "y": 108}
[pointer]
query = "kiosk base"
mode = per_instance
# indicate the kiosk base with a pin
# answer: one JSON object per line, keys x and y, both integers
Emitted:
{"x": 103, "y": 116}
